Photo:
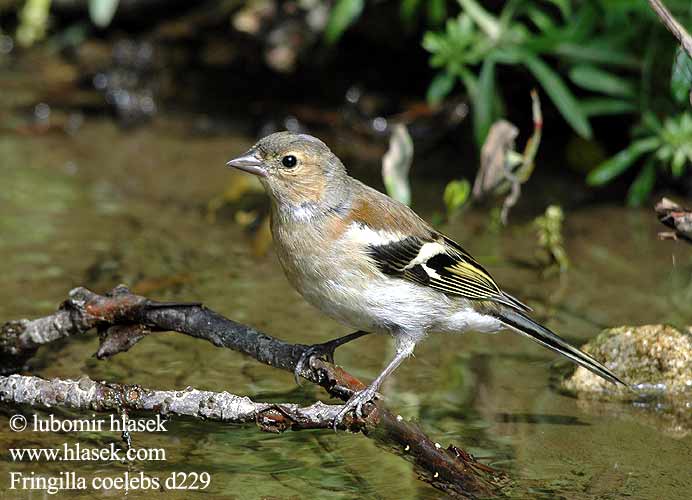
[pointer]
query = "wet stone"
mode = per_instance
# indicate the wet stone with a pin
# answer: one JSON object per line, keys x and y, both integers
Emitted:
{"x": 655, "y": 360}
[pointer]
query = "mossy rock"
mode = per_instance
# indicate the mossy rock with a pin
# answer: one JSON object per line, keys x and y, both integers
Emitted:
{"x": 655, "y": 360}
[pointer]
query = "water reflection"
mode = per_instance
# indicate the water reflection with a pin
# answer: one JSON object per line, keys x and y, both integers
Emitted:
{"x": 133, "y": 209}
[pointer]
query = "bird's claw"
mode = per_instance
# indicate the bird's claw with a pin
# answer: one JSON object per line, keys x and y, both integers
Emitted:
{"x": 355, "y": 403}
{"x": 316, "y": 350}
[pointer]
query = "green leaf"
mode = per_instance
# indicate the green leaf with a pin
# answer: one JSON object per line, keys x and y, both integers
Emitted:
{"x": 564, "y": 6}
{"x": 599, "y": 106}
{"x": 665, "y": 153}
{"x": 681, "y": 76}
{"x": 343, "y": 15}
{"x": 484, "y": 19}
{"x": 408, "y": 10}
{"x": 651, "y": 121}
{"x": 506, "y": 15}
{"x": 433, "y": 42}
{"x": 597, "y": 80}
{"x": 101, "y": 12}
{"x": 470, "y": 81}
{"x": 456, "y": 194}
{"x": 642, "y": 186}
{"x": 540, "y": 18}
{"x": 677, "y": 166}
{"x": 483, "y": 101}
{"x": 440, "y": 87}
{"x": 437, "y": 11}
{"x": 583, "y": 23}
{"x": 508, "y": 55}
{"x": 614, "y": 166}
{"x": 595, "y": 52}
{"x": 558, "y": 92}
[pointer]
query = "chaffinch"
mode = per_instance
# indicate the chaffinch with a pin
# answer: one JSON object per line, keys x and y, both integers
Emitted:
{"x": 370, "y": 262}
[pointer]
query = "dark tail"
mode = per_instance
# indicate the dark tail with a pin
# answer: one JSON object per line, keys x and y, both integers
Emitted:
{"x": 526, "y": 326}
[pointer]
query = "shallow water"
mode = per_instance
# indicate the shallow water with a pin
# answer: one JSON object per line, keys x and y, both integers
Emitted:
{"x": 106, "y": 206}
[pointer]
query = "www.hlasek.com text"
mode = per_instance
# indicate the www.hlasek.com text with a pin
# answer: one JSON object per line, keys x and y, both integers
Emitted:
{"x": 78, "y": 453}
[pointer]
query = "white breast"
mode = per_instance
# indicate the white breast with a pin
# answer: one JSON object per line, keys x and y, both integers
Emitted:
{"x": 339, "y": 279}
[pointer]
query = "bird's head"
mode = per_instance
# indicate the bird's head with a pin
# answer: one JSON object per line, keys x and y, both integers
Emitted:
{"x": 296, "y": 170}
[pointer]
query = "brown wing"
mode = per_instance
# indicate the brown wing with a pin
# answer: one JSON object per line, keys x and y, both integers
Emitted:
{"x": 412, "y": 250}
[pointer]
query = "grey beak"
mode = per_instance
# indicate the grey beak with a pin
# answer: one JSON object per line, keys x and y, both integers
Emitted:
{"x": 249, "y": 163}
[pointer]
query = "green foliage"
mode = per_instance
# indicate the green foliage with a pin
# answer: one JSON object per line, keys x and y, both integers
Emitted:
{"x": 593, "y": 78}
{"x": 597, "y": 58}
{"x": 440, "y": 86}
{"x": 610, "y": 169}
{"x": 524, "y": 34}
{"x": 642, "y": 186}
{"x": 681, "y": 76}
{"x": 676, "y": 139}
{"x": 456, "y": 195}
{"x": 561, "y": 96}
{"x": 590, "y": 58}
{"x": 668, "y": 146}
{"x": 344, "y": 13}
{"x": 435, "y": 11}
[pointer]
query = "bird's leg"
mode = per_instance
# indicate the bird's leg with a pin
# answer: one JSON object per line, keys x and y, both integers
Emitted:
{"x": 325, "y": 349}
{"x": 404, "y": 350}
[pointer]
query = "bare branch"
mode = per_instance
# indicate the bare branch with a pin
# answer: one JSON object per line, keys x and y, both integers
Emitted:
{"x": 123, "y": 319}
{"x": 675, "y": 217}
{"x": 673, "y": 25}
{"x": 88, "y": 395}
{"x": 85, "y": 310}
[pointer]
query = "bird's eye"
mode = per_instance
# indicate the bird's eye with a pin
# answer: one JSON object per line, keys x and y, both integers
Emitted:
{"x": 289, "y": 161}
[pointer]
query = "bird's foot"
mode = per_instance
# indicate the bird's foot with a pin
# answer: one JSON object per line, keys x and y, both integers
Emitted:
{"x": 316, "y": 350}
{"x": 356, "y": 403}
{"x": 325, "y": 349}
